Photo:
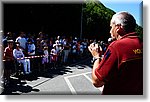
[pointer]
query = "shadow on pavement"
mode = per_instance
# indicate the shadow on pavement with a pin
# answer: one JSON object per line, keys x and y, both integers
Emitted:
{"x": 16, "y": 87}
{"x": 18, "y": 84}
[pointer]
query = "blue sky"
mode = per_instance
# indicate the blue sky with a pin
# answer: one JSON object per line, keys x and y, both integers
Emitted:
{"x": 131, "y": 6}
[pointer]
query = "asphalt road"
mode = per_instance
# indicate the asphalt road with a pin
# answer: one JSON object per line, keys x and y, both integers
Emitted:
{"x": 74, "y": 79}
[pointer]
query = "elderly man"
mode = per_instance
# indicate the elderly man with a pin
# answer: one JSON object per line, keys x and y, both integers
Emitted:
{"x": 121, "y": 68}
{"x": 19, "y": 56}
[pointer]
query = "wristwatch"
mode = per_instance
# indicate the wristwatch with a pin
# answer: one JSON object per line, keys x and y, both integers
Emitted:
{"x": 95, "y": 58}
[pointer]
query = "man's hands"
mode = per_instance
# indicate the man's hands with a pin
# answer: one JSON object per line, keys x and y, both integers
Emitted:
{"x": 95, "y": 50}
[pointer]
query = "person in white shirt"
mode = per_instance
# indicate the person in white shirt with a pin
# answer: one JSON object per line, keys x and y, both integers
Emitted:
{"x": 54, "y": 56}
{"x": 22, "y": 40}
{"x": 19, "y": 56}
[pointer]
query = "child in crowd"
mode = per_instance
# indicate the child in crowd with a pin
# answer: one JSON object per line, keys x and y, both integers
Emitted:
{"x": 45, "y": 60}
{"x": 8, "y": 61}
{"x": 54, "y": 56}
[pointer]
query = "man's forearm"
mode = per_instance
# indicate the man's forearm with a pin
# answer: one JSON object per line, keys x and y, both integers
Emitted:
{"x": 95, "y": 65}
{"x": 95, "y": 80}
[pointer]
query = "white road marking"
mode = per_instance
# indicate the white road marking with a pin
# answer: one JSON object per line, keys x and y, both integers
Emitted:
{"x": 101, "y": 88}
{"x": 77, "y": 75}
{"x": 70, "y": 85}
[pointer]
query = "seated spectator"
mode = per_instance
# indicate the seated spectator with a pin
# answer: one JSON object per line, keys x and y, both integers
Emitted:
{"x": 19, "y": 56}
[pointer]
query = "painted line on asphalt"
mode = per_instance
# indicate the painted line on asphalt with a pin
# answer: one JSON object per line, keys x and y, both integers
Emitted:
{"x": 73, "y": 91}
{"x": 77, "y": 75}
{"x": 100, "y": 88}
{"x": 70, "y": 85}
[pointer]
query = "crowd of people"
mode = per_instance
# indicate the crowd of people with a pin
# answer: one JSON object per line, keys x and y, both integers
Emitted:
{"x": 25, "y": 50}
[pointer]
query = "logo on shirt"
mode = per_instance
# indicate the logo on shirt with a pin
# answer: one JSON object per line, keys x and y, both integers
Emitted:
{"x": 138, "y": 51}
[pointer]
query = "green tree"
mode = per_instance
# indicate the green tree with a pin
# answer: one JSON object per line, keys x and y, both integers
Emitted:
{"x": 96, "y": 20}
{"x": 139, "y": 31}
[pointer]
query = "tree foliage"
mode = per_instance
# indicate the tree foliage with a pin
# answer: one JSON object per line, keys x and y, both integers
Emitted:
{"x": 139, "y": 31}
{"x": 96, "y": 20}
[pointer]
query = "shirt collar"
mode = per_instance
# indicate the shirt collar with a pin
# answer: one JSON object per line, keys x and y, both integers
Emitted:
{"x": 133, "y": 34}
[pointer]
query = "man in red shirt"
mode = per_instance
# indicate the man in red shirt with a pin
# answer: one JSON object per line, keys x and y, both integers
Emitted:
{"x": 121, "y": 68}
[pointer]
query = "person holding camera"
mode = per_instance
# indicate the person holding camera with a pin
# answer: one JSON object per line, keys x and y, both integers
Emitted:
{"x": 120, "y": 71}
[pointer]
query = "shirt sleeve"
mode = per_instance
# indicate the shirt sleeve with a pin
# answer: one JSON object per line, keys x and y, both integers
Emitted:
{"x": 105, "y": 69}
{"x": 14, "y": 54}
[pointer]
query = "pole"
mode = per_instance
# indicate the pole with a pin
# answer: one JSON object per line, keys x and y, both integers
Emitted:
{"x": 81, "y": 22}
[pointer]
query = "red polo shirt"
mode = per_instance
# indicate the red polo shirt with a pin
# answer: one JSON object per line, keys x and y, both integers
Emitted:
{"x": 8, "y": 53}
{"x": 122, "y": 66}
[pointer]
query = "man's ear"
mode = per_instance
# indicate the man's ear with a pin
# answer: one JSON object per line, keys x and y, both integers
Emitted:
{"x": 120, "y": 31}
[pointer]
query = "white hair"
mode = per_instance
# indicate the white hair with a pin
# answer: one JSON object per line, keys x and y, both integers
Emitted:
{"x": 125, "y": 19}
{"x": 118, "y": 18}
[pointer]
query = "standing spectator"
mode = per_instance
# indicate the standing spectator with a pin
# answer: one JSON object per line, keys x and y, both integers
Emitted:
{"x": 121, "y": 69}
{"x": 85, "y": 44}
{"x": 45, "y": 60}
{"x": 39, "y": 52}
{"x": 58, "y": 40}
{"x": 54, "y": 56}
{"x": 9, "y": 61}
{"x": 66, "y": 46}
{"x": 78, "y": 47}
{"x": 30, "y": 37}
{"x": 31, "y": 51}
{"x": 9, "y": 36}
{"x": 41, "y": 36}
{"x": 81, "y": 48}
{"x": 60, "y": 54}
{"x": 50, "y": 45}
{"x": 22, "y": 40}
{"x": 74, "y": 52}
{"x": 30, "y": 48}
